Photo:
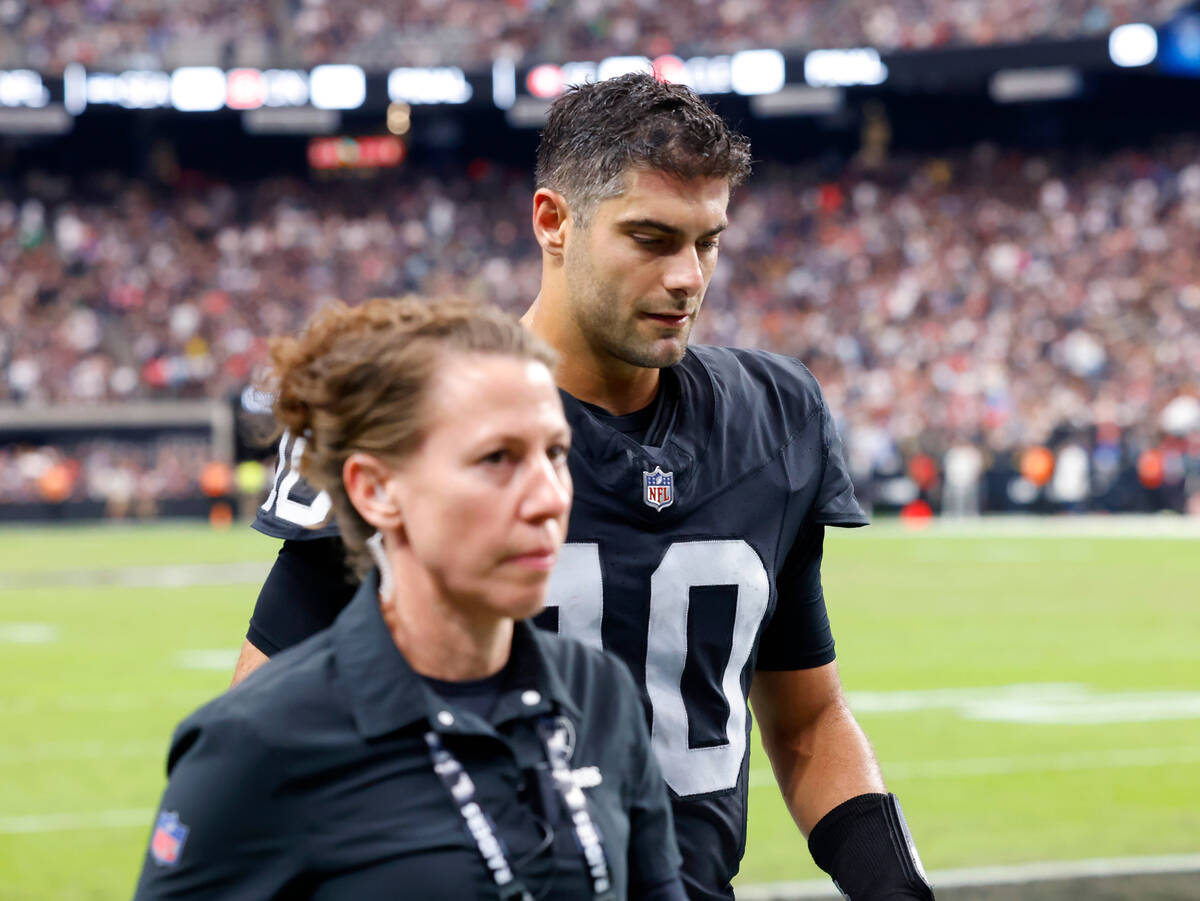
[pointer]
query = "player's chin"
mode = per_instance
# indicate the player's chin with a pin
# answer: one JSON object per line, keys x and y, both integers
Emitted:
{"x": 667, "y": 351}
{"x": 659, "y": 350}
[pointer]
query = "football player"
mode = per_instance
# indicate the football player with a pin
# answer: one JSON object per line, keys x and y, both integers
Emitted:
{"x": 705, "y": 478}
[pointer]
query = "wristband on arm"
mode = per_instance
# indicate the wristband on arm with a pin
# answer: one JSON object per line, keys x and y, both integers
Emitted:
{"x": 865, "y": 845}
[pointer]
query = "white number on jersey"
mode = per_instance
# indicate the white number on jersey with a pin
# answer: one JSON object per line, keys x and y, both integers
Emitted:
{"x": 576, "y": 588}
{"x": 280, "y": 501}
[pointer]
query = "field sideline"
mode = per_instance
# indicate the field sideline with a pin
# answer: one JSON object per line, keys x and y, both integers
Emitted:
{"x": 1031, "y": 689}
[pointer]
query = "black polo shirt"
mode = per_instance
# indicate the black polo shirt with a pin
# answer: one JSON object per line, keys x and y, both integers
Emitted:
{"x": 313, "y": 778}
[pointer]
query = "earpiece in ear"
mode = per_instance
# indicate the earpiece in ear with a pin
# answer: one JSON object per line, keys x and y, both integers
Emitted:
{"x": 385, "y": 500}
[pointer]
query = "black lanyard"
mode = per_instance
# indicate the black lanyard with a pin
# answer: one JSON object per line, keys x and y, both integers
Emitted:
{"x": 587, "y": 836}
{"x": 462, "y": 791}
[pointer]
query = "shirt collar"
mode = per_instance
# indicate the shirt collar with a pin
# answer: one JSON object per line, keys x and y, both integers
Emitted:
{"x": 385, "y": 692}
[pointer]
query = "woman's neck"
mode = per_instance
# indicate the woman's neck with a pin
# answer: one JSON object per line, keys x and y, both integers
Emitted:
{"x": 439, "y": 641}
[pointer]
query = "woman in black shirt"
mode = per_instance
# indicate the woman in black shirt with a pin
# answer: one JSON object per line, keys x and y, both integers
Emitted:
{"x": 431, "y": 743}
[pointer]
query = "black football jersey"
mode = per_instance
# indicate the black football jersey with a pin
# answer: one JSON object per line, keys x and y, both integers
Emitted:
{"x": 693, "y": 554}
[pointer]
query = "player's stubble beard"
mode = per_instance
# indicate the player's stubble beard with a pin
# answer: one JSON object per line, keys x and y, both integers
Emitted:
{"x": 604, "y": 321}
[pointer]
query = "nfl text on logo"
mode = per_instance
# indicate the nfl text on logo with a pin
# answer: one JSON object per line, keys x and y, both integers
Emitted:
{"x": 658, "y": 488}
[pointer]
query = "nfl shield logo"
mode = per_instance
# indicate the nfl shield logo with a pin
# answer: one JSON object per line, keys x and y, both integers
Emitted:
{"x": 658, "y": 488}
{"x": 167, "y": 841}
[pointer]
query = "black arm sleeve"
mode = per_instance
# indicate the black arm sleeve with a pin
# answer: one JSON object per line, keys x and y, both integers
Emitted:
{"x": 305, "y": 591}
{"x": 865, "y": 845}
{"x": 798, "y": 635}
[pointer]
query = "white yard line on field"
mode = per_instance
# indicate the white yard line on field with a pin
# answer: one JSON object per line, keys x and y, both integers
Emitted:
{"x": 1044, "y": 703}
{"x": 219, "y": 659}
{"x": 83, "y": 750}
{"x": 117, "y": 702}
{"x": 1028, "y": 763}
{"x": 1015, "y": 874}
{"x": 180, "y": 575}
{"x": 1130, "y": 526}
{"x": 28, "y": 633}
{"x": 68, "y": 822}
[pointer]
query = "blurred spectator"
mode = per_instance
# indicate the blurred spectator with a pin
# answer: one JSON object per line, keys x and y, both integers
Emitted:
{"x": 250, "y": 478}
{"x": 1070, "y": 485}
{"x": 964, "y": 472}
{"x": 471, "y": 33}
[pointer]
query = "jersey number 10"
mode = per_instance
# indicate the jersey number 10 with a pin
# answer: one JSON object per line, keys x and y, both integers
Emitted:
{"x": 577, "y": 589}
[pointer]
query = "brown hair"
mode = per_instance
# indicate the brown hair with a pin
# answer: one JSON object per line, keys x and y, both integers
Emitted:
{"x": 357, "y": 379}
{"x": 597, "y": 132}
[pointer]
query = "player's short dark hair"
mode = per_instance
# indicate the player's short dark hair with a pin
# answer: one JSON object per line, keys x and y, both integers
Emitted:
{"x": 597, "y": 132}
{"x": 357, "y": 380}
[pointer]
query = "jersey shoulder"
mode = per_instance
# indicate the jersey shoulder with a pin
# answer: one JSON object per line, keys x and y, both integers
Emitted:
{"x": 763, "y": 406}
{"x": 761, "y": 384}
{"x": 785, "y": 403}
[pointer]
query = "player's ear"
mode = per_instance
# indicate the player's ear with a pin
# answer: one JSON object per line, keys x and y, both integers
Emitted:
{"x": 550, "y": 216}
{"x": 368, "y": 485}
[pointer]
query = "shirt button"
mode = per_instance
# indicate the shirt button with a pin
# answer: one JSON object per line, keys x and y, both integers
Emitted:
{"x": 446, "y": 718}
{"x": 531, "y": 697}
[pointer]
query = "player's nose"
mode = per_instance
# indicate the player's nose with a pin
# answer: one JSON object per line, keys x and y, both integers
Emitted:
{"x": 684, "y": 276}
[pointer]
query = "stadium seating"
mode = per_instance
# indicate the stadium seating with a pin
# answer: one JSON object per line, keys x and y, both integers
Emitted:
{"x": 107, "y": 34}
{"x": 993, "y": 299}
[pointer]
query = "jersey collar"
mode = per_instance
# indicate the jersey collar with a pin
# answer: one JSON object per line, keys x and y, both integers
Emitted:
{"x": 603, "y": 457}
{"x": 387, "y": 695}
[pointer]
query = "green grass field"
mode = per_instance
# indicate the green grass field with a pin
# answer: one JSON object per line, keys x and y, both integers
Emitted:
{"x": 1030, "y": 698}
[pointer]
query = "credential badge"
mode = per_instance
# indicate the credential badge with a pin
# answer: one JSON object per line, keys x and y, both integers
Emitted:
{"x": 658, "y": 488}
{"x": 564, "y": 737}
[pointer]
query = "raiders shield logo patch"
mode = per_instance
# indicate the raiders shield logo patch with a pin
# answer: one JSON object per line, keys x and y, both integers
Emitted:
{"x": 658, "y": 488}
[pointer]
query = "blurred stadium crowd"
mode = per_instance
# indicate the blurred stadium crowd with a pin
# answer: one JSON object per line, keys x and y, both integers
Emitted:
{"x": 128, "y": 478}
{"x": 996, "y": 330}
{"x": 48, "y": 34}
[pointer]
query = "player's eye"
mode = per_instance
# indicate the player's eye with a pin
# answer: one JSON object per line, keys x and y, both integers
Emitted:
{"x": 647, "y": 240}
{"x": 557, "y": 452}
{"x": 710, "y": 244}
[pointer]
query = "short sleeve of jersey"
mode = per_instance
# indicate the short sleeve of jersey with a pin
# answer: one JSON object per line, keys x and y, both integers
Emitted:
{"x": 305, "y": 591}
{"x": 218, "y": 833}
{"x": 836, "y": 504}
{"x": 798, "y": 634}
